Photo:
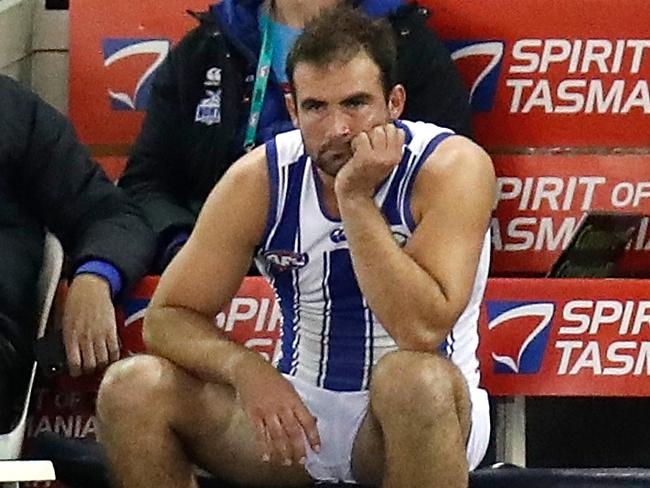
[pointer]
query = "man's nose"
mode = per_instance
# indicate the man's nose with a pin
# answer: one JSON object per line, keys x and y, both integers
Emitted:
{"x": 339, "y": 123}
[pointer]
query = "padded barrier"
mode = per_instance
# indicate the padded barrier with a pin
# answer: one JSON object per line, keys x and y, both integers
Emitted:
{"x": 82, "y": 464}
{"x": 515, "y": 477}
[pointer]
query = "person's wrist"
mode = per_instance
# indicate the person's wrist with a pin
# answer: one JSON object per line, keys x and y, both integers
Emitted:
{"x": 352, "y": 198}
{"x": 102, "y": 270}
{"x": 243, "y": 366}
{"x": 348, "y": 189}
{"x": 93, "y": 280}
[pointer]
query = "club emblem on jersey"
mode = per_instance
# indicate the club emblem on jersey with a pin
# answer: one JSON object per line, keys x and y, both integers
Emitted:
{"x": 338, "y": 235}
{"x": 400, "y": 238}
{"x": 284, "y": 260}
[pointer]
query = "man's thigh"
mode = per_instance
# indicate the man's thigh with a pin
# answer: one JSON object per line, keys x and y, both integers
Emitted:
{"x": 228, "y": 449}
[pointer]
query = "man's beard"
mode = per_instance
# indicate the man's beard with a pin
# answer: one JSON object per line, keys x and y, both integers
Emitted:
{"x": 332, "y": 156}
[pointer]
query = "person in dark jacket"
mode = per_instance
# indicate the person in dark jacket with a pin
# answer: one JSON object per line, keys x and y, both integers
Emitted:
{"x": 48, "y": 180}
{"x": 197, "y": 119}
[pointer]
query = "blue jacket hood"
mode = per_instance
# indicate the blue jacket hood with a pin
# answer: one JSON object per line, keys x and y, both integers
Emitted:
{"x": 238, "y": 18}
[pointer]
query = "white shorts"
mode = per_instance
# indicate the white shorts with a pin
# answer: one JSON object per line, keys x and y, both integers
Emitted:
{"x": 340, "y": 415}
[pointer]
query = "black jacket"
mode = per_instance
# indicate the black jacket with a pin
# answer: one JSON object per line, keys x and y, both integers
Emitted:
{"x": 176, "y": 161}
{"x": 47, "y": 179}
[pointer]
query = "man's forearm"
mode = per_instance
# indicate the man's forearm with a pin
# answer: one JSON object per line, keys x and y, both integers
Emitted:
{"x": 192, "y": 341}
{"x": 408, "y": 302}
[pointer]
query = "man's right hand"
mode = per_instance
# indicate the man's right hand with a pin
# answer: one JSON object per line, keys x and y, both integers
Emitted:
{"x": 89, "y": 329}
{"x": 281, "y": 420}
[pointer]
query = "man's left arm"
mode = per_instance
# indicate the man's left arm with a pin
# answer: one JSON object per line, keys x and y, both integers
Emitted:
{"x": 418, "y": 292}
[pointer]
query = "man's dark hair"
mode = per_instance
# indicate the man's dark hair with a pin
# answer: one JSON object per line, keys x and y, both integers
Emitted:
{"x": 338, "y": 35}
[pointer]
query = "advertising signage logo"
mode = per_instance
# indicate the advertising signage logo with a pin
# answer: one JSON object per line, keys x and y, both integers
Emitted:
{"x": 556, "y": 75}
{"x": 522, "y": 330}
{"x": 136, "y": 61}
{"x": 479, "y": 63}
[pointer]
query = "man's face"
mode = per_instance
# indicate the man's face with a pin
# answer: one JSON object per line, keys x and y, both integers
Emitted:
{"x": 335, "y": 103}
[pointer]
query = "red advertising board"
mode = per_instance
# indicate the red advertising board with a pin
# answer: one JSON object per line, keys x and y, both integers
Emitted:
{"x": 566, "y": 337}
{"x": 114, "y": 49}
{"x": 539, "y": 73}
{"x": 540, "y": 200}
{"x": 552, "y": 73}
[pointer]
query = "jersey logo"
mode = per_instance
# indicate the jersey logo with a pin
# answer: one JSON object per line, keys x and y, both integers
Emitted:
{"x": 338, "y": 235}
{"x": 524, "y": 328}
{"x": 284, "y": 260}
{"x": 400, "y": 238}
{"x": 479, "y": 63}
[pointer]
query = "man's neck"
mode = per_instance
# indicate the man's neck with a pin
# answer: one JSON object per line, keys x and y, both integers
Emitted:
{"x": 296, "y": 13}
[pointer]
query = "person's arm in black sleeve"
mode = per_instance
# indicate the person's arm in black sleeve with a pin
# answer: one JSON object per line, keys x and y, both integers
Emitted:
{"x": 435, "y": 90}
{"x": 107, "y": 238}
{"x": 154, "y": 175}
{"x": 73, "y": 197}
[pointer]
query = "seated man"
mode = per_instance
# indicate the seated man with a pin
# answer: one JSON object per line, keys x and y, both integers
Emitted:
{"x": 200, "y": 115}
{"x": 47, "y": 179}
{"x": 374, "y": 233}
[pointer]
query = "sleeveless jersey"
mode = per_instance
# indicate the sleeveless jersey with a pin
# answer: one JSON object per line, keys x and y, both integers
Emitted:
{"x": 330, "y": 337}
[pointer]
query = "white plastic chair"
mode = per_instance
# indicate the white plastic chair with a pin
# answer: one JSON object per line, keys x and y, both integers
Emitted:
{"x": 11, "y": 443}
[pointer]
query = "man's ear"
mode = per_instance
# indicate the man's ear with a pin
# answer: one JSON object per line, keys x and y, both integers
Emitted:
{"x": 290, "y": 103}
{"x": 396, "y": 101}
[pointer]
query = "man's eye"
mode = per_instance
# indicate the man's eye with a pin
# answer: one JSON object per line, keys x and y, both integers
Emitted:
{"x": 354, "y": 103}
{"x": 314, "y": 107}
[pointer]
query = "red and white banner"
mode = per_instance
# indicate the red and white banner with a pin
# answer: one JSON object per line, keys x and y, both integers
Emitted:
{"x": 538, "y": 73}
{"x": 540, "y": 200}
{"x": 115, "y": 48}
{"x": 566, "y": 337}
{"x": 552, "y": 73}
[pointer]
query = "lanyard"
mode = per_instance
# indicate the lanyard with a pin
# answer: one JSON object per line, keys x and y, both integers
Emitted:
{"x": 261, "y": 81}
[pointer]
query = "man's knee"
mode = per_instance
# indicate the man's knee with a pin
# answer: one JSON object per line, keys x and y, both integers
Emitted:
{"x": 415, "y": 385}
{"x": 134, "y": 386}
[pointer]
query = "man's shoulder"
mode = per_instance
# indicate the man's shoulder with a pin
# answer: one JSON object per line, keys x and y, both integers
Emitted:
{"x": 251, "y": 169}
{"x": 424, "y": 126}
{"x": 12, "y": 93}
{"x": 20, "y": 107}
{"x": 8, "y": 84}
{"x": 459, "y": 156}
{"x": 423, "y": 137}
{"x": 438, "y": 147}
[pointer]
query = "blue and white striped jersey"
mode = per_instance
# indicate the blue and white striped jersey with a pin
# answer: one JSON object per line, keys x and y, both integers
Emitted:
{"x": 330, "y": 337}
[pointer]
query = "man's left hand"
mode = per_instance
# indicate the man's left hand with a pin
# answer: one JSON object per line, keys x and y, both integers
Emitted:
{"x": 374, "y": 155}
{"x": 89, "y": 327}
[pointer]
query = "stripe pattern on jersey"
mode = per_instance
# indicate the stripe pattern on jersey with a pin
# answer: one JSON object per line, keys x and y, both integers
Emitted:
{"x": 330, "y": 336}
